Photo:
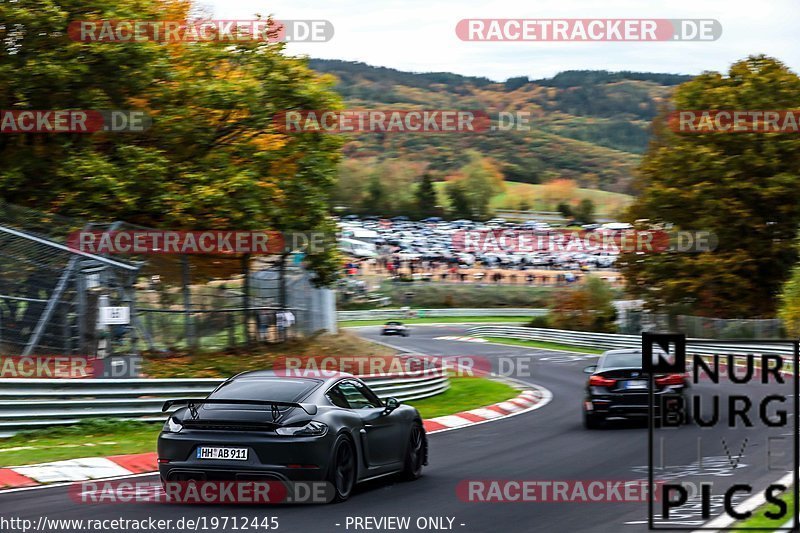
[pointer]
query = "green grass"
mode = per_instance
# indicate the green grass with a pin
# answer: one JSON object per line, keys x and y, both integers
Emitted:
{"x": 758, "y": 520}
{"x": 103, "y": 437}
{"x": 606, "y": 203}
{"x": 465, "y": 394}
{"x": 433, "y": 320}
{"x": 543, "y": 344}
{"x": 92, "y": 438}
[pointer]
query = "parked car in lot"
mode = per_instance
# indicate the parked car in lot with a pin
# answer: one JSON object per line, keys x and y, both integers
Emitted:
{"x": 618, "y": 388}
{"x": 394, "y": 327}
{"x": 262, "y": 426}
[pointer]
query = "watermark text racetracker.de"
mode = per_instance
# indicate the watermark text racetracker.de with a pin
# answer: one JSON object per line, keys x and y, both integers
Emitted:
{"x": 588, "y": 30}
{"x": 50, "y": 367}
{"x": 213, "y": 242}
{"x": 206, "y": 492}
{"x": 191, "y": 31}
{"x": 467, "y": 366}
{"x": 20, "y": 121}
{"x": 551, "y": 491}
{"x": 734, "y": 121}
{"x": 597, "y": 241}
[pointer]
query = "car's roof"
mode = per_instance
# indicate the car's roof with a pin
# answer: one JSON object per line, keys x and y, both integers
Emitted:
{"x": 623, "y": 351}
{"x": 310, "y": 375}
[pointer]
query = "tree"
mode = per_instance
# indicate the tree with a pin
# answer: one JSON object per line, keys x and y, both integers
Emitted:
{"x": 565, "y": 210}
{"x": 459, "y": 202}
{"x": 789, "y": 308}
{"x": 213, "y": 158}
{"x": 374, "y": 202}
{"x": 426, "y": 197}
{"x": 589, "y": 307}
{"x": 481, "y": 180}
{"x": 585, "y": 211}
{"x": 743, "y": 187}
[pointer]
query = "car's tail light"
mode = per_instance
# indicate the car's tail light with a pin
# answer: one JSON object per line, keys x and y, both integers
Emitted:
{"x": 601, "y": 381}
{"x": 671, "y": 379}
{"x": 172, "y": 425}
{"x": 312, "y": 429}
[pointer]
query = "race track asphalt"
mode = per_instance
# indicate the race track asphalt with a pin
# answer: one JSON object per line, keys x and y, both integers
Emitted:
{"x": 549, "y": 443}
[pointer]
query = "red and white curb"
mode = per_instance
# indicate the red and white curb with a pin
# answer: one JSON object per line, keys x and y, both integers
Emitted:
{"x": 528, "y": 400}
{"x": 460, "y": 338}
{"x": 77, "y": 470}
{"x": 143, "y": 463}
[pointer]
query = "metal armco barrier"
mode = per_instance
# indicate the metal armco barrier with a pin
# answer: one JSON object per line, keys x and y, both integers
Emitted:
{"x": 387, "y": 314}
{"x": 610, "y": 341}
{"x": 37, "y": 403}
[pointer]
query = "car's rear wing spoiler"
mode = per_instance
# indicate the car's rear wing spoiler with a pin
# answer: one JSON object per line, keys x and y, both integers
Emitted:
{"x": 309, "y": 408}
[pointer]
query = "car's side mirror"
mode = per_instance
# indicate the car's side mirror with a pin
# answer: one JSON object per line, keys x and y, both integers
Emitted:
{"x": 391, "y": 404}
{"x": 590, "y": 369}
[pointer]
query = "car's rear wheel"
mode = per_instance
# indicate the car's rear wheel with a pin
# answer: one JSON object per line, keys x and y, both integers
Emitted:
{"x": 415, "y": 453}
{"x": 343, "y": 470}
{"x": 593, "y": 421}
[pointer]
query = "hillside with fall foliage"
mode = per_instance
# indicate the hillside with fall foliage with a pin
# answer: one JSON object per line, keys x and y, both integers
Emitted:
{"x": 586, "y": 126}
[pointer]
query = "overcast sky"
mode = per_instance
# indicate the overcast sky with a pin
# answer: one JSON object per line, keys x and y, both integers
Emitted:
{"x": 419, "y": 35}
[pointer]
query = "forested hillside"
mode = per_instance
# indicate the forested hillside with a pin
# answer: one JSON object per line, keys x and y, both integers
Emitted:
{"x": 588, "y": 126}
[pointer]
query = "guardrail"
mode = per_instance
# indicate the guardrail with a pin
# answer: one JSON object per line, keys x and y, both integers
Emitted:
{"x": 610, "y": 341}
{"x": 387, "y": 314}
{"x": 38, "y": 403}
{"x": 543, "y": 216}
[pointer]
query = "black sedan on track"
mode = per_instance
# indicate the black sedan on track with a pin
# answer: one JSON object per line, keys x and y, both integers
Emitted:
{"x": 618, "y": 388}
{"x": 262, "y": 426}
{"x": 395, "y": 328}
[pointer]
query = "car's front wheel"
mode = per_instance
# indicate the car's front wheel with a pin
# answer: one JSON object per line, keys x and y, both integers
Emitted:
{"x": 415, "y": 453}
{"x": 342, "y": 473}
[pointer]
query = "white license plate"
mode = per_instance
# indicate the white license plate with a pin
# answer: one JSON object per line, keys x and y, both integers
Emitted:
{"x": 209, "y": 452}
{"x": 636, "y": 384}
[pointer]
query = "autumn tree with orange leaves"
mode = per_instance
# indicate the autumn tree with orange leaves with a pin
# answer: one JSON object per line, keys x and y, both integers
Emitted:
{"x": 213, "y": 158}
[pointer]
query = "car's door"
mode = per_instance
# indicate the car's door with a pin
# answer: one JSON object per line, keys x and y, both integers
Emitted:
{"x": 383, "y": 434}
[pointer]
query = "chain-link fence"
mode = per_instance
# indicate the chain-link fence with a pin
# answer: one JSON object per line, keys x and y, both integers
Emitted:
{"x": 50, "y": 295}
{"x": 56, "y": 299}
{"x": 699, "y": 327}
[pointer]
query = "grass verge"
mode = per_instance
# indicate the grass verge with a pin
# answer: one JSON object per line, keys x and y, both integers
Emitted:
{"x": 759, "y": 520}
{"x": 543, "y": 344}
{"x": 102, "y": 437}
{"x": 433, "y": 320}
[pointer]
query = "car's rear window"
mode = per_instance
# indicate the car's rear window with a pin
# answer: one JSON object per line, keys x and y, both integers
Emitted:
{"x": 393, "y": 323}
{"x": 622, "y": 360}
{"x": 276, "y": 389}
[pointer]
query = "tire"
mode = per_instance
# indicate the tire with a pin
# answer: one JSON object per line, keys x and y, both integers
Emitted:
{"x": 406, "y": 334}
{"x": 591, "y": 421}
{"x": 343, "y": 470}
{"x": 416, "y": 452}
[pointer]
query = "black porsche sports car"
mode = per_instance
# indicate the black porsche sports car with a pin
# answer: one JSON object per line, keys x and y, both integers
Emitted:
{"x": 262, "y": 426}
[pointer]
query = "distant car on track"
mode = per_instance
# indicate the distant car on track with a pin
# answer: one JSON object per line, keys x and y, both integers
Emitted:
{"x": 259, "y": 426}
{"x": 618, "y": 388}
{"x": 394, "y": 327}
